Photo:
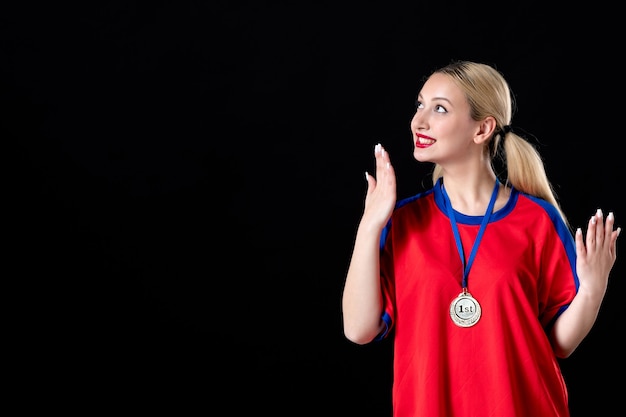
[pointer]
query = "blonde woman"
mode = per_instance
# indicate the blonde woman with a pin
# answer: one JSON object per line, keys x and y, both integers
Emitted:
{"x": 479, "y": 280}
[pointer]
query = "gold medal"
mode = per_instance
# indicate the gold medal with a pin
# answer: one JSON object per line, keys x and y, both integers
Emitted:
{"x": 465, "y": 310}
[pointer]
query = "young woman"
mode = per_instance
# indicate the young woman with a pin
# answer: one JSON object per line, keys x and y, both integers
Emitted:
{"x": 479, "y": 280}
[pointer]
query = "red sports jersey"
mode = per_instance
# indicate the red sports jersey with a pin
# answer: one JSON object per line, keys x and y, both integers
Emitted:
{"x": 523, "y": 276}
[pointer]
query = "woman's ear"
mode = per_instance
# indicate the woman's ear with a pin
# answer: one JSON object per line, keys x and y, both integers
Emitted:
{"x": 486, "y": 129}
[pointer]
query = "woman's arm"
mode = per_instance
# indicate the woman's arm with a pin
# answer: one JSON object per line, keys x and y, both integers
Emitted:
{"x": 362, "y": 304}
{"x": 595, "y": 257}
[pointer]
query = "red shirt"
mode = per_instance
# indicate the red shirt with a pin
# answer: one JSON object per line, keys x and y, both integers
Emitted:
{"x": 523, "y": 276}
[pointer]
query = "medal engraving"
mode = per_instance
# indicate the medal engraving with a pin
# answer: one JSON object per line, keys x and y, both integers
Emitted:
{"x": 465, "y": 310}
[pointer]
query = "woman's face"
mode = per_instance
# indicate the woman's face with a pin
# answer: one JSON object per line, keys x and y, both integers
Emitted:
{"x": 442, "y": 129}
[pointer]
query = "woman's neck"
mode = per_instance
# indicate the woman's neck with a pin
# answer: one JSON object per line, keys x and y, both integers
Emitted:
{"x": 471, "y": 194}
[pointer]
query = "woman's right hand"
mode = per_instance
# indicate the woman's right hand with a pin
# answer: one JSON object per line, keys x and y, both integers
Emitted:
{"x": 380, "y": 199}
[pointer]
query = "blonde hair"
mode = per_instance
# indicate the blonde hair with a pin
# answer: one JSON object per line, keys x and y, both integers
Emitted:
{"x": 488, "y": 94}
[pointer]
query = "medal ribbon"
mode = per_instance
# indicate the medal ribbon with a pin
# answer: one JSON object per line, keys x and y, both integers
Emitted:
{"x": 479, "y": 236}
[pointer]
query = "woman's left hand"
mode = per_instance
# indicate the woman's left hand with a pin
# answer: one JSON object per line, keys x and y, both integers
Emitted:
{"x": 596, "y": 253}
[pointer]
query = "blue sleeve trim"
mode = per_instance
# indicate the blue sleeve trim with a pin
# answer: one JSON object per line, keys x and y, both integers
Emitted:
{"x": 385, "y": 331}
{"x": 565, "y": 234}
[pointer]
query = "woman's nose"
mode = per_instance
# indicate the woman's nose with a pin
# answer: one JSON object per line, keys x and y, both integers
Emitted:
{"x": 418, "y": 120}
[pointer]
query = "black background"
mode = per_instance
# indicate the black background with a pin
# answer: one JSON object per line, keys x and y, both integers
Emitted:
{"x": 189, "y": 176}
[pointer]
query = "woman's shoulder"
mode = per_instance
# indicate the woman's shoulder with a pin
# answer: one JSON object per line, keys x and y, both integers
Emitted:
{"x": 414, "y": 198}
{"x": 539, "y": 203}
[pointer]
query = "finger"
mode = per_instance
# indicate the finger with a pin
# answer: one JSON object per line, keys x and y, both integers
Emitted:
{"x": 371, "y": 182}
{"x": 382, "y": 157}
{"x": 611, "y": 234}
{"x": 371, "y": 185}
{"x": 614, "y": 236}
{"x": 385, "y": 173}
{"x": 599, "y": 227}
{"x": 378, "y": 154}
{"x": 608, "y": 228}
{"x": 591, "y": 233}
{"x": 580, "y": 245}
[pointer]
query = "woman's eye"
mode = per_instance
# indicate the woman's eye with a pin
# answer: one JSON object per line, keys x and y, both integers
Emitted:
{"x": 438, "y": 108}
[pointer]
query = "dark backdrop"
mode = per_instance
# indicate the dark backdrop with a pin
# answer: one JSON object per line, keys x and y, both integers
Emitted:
{"x": 189, "y": 176}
